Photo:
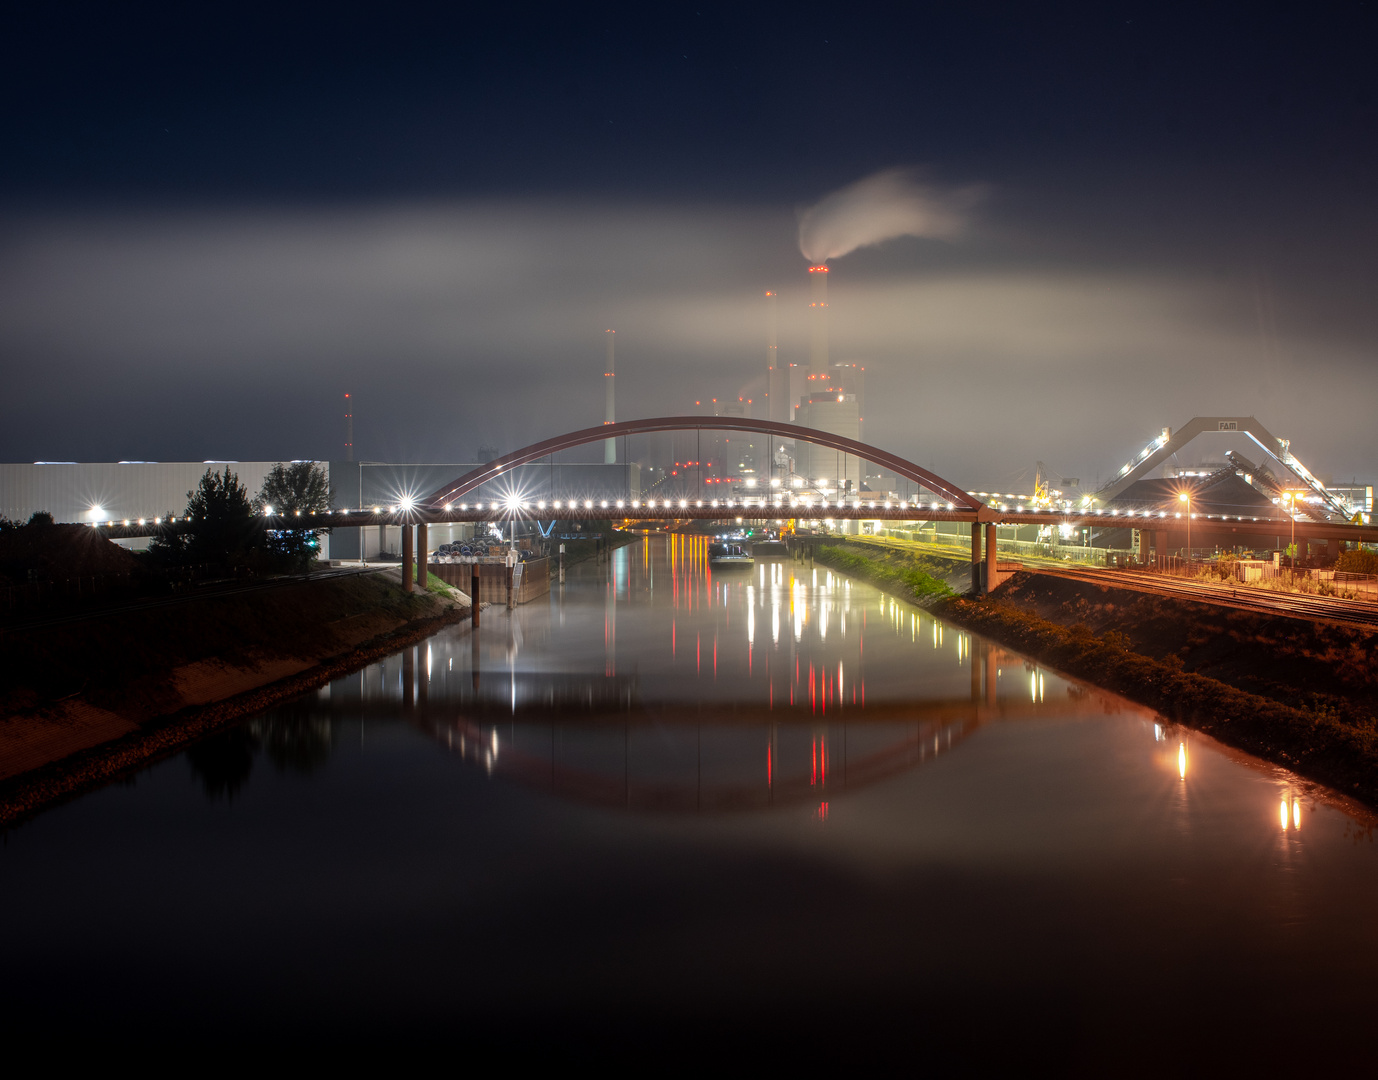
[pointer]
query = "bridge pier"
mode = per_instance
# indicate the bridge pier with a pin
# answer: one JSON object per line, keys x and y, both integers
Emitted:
{"x": 408, "y": 570}
{"x": 990, "y": 557}
{"x": 976, "y": 556}
{"x": 422, "y": 550}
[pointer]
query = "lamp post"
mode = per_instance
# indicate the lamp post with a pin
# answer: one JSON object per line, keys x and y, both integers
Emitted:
{"x": 1290, "y": 498}
{"x": 1185, "y": 497}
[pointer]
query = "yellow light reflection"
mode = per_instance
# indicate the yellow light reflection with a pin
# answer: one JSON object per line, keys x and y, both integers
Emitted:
{"x": 1296, "y": 814}
{"x": 1284, "y": 815}
{"x": 1182, "y": 760}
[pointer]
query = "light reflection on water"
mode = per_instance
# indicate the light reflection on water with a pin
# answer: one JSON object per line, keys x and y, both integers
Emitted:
{"x": 655, "y": 785}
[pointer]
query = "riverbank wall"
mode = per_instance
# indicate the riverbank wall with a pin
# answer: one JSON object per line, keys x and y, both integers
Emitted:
{"x": 83, "y": 702}
{"x": 1300, "y": 693}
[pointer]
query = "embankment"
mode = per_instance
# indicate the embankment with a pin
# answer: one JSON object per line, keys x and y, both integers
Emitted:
{"x": 1300, "y": 693}
{"x": 916, "y": 577}
{"x": 85, "y": 701}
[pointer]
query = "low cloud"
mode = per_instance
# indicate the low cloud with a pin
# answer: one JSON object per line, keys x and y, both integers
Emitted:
{"x": 232, "y": 335}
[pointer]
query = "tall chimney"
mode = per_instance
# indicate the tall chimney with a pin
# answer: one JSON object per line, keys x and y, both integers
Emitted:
{"x": 610, "y": 407}
{"x": 777, "y": 397}
{"x": 818, "y": 320}
{"x": 349, "y": 429}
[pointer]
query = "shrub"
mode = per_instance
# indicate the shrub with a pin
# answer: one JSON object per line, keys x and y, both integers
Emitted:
{"x": 1362, "y": 561}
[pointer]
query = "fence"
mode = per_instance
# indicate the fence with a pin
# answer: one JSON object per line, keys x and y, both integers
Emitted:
{"x": 1264, "y": 574}
{"x": 1029, "y": 549}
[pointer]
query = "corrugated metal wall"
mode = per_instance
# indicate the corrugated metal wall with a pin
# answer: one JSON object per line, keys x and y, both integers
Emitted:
{"x": 136, "y": 489}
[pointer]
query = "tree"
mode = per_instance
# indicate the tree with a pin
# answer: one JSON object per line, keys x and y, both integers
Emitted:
{"x": 220, "y": 523}
{"x": 301, "y": 487}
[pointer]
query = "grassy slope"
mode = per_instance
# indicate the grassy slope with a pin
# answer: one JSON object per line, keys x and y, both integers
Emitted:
{"x": 902, "y": 575}
{"x": 125, "y": 664}
{"x": 118, "y": 661}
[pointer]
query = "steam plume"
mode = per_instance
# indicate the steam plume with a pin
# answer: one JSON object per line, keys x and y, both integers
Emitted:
{"x": 890, "y": 204}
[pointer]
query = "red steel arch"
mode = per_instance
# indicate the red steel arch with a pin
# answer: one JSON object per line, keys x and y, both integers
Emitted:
{"x": 902, "y": 467}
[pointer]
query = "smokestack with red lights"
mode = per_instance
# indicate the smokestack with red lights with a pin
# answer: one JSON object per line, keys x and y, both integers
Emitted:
{"x": 776, "y": 398}
{"x": 610, "y": 407}
{"x": 349, "y": 429}
{"x": 818, "y": 320}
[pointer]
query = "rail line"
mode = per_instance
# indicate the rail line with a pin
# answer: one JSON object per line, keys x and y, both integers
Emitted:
{"x": 1329, "y": 609}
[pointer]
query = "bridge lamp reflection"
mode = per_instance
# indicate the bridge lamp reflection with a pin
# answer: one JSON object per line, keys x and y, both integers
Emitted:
{"x": 1182, "y": 760}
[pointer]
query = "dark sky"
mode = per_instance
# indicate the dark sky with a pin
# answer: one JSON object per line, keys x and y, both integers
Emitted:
{"x": 215, "y": 221}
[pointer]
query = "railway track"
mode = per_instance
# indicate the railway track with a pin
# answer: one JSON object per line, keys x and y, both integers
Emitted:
{"x": 1329, "y": 609}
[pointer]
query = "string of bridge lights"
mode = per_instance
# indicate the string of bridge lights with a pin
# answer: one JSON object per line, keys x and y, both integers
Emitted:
{"x": 514, "y": 506}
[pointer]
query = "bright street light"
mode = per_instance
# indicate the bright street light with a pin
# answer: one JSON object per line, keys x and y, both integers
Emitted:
{"x": 1186, "y": 498}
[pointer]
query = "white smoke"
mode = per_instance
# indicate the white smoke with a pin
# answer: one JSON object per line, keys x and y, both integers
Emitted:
{"x": 890, "y": 204}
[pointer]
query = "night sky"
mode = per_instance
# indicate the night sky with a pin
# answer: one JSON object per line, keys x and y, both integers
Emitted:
{"x": 215, "y": 221}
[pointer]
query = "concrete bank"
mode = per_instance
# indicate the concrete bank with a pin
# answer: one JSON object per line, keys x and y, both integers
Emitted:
{"x": 84, "y": 702}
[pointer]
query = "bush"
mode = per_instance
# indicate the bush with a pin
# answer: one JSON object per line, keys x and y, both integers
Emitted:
{"x": 1362, "y": 561}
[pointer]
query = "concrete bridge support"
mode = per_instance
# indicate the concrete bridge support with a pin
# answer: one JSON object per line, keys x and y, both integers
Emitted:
{"x": 990, "y": 557}
{"x": 408, "y": 569}
{"x": 422, "y": 551}
{"x": 975, "y": 556}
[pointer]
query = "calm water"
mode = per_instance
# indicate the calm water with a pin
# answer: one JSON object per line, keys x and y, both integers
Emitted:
{"x": 773, "y": 812}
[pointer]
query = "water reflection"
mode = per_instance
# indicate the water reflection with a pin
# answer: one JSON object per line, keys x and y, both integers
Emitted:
{"x": 295, "y": 738}
{"x": 692, "y": 709}
{"x": 632, "y": 795}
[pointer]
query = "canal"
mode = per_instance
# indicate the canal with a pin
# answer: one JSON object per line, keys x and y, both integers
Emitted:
{"x": 767, "y": 809}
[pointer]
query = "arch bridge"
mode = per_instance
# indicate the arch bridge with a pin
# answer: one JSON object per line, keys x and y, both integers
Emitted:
{"x": 934, "y": 499}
